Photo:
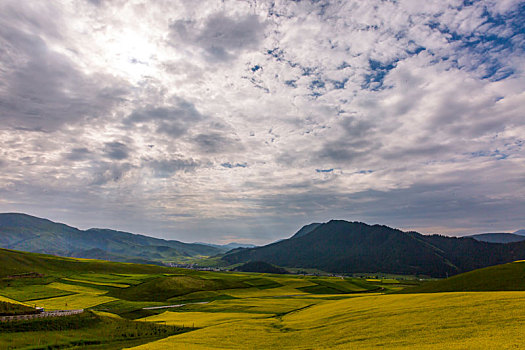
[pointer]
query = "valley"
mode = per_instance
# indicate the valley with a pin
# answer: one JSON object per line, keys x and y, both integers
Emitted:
{"x": 227, "y": 310}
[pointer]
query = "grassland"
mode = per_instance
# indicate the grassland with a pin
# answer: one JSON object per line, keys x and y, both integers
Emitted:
{"x": 260, "y": 311}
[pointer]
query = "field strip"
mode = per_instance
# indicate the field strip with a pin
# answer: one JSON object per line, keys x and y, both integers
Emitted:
{"x": 77, "y": 301}
{"x": 172, "y": 306}
{"x": 12, "y": 301}
{"x": 77, "y": 289}
{"x": 109, "y": 284}
{"x": 202, "y": 319}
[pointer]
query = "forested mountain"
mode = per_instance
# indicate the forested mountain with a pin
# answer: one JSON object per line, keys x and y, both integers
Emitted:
{"x": 32, "y": 234}
{"x": 354, "y": 247}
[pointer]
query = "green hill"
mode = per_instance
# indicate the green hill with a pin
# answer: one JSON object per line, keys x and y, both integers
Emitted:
{"x": 20, "y": 264}
{"x": 32, "y": 234}
{"x": 506, "y": 277}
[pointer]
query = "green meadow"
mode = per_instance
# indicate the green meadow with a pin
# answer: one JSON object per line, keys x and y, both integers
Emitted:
{"x": 153, "y": 307}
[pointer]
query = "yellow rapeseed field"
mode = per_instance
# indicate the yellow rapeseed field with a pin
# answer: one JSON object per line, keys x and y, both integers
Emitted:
{"x": 201, "y": 319}
{"x": 473, "y": 320}
{"x": 109, "y": 284}
{"x": 12, "y": 301}
{"x": 83, "y": 298}
{"x": 75, "y": 301}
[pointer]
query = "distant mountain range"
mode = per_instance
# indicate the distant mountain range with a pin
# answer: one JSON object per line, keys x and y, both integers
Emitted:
{"x": 229, "y": 246}
{"x": 32, "y": 234}
{"x": 337, "y": 246}
{"x": 501, "y": 237}
{"x": 353, "y": 247}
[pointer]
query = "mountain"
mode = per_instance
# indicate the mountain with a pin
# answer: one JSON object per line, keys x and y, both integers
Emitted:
{"x": 229, "y": 246}
{"x": 235, "y": 245}
{"x": 353, "y": 247}
{"x": 520, "y": 232}
{"x": 32, "y": 234}
{"x": 498, "y": 237}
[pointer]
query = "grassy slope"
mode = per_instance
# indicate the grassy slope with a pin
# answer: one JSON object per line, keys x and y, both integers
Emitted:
{"x": 81, "y": 331}
{"x": 506, "y": 277}
{"x": 15, "y": 262}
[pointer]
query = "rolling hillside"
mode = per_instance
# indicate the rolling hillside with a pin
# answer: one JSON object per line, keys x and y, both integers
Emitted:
{"x": 506, "y": 277}
{"x": 32, "y": 234}
{"x": 353, "y": 247}
{"x": 15, "y": 263}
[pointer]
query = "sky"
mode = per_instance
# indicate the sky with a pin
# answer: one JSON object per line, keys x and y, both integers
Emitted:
{"x": 241, "y": 121}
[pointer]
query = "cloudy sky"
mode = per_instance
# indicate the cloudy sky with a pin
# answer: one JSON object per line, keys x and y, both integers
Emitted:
{"x": 244, "y": 120}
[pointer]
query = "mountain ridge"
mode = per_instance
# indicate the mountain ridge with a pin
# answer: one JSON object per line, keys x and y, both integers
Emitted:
{"x": 29, "y": 233}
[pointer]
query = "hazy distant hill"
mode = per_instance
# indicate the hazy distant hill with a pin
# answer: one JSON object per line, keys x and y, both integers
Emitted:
{"x": 229, "y": 246}
{"x": 498, "y": 237}
{"x": 353, "y": 247}
{"x": 32, "y": 234}
{"x": 520, "y": 232}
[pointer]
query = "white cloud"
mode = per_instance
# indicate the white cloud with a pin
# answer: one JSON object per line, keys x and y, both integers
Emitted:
{"x": 417, "y": 109}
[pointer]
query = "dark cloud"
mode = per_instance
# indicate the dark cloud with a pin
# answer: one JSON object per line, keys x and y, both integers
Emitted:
{"x": 173, "y": 121}
{"x": 116, "y": 150}
{"x": 166, "y": 168}
{"x": 221, "y": 37}
{"x": 78, "y": 154}
{"x": 42, "y": 90}
{"x": 356, "y": 139}
{"x": 345, "y": 152}
{"x": 104, "y": 172}
{"x": 216, "y": 143}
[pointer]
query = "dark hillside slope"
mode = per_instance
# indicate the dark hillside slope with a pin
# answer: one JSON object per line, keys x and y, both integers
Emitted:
{"x": 260, "y": 267}
{"x": 29, "y": 233}
{"x": 353, "y": 247}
